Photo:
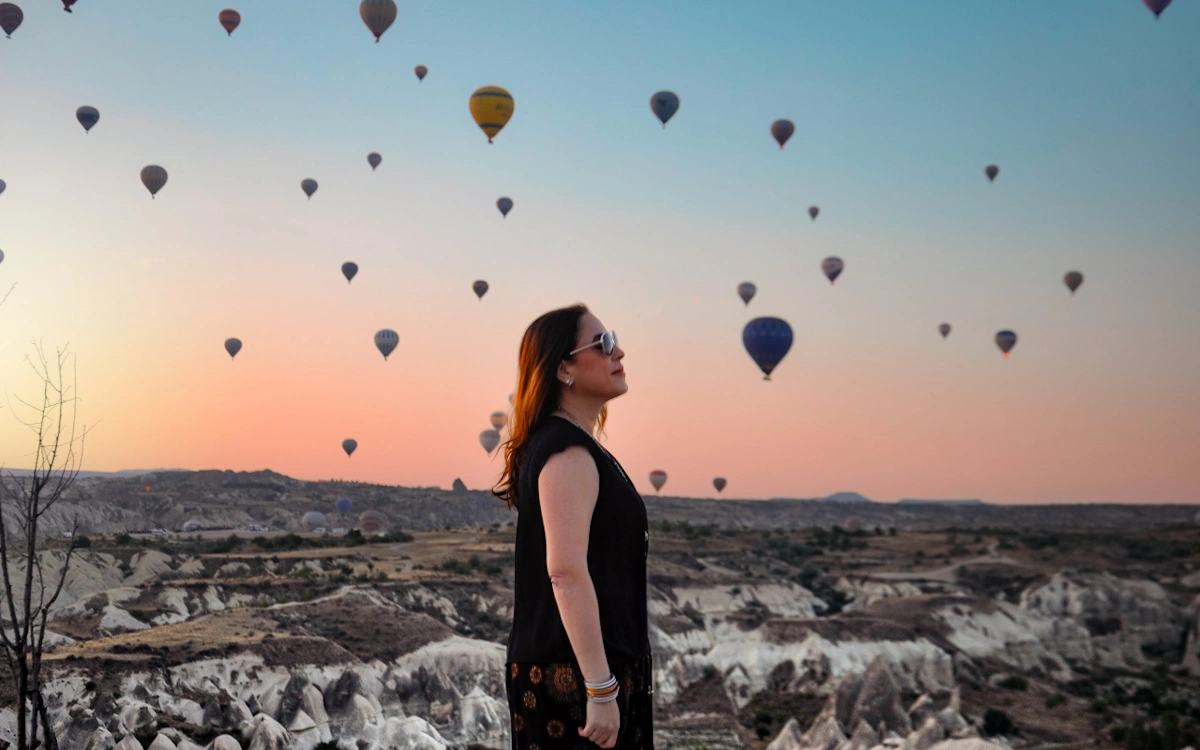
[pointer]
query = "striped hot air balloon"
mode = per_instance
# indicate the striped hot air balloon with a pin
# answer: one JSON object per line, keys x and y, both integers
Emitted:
{"x": 386, "y": 341}
{"x": 154, "y": 177}
{"x": 11, "y": 16}
{"x": 658, "y": 478}
{"x": 88, "y": 117}
{"x": 492, "y": 107}
{"x": 378, "y": 15}
{"x": 372, "y": 522}
{"x": 230, "y": 19}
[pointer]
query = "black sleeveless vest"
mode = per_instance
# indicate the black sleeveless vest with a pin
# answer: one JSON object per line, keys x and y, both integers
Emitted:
{"x": 618, "y": 544}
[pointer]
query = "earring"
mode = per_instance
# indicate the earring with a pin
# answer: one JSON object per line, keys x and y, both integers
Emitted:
{"x": 569, "y": 382}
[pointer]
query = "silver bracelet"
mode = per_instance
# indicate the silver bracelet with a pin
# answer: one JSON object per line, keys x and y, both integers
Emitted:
{"x": 606, "y": 699}
{"x": 612, "y": 680}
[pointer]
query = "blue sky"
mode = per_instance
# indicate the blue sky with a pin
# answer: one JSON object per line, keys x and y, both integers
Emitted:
{"x": 1089, "y": 107}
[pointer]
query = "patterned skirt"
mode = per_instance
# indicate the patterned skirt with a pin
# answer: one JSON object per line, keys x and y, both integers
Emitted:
{"x": 549, "y": 706}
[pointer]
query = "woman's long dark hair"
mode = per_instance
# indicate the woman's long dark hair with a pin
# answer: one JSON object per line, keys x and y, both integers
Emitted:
{"x": 544, "y": 345}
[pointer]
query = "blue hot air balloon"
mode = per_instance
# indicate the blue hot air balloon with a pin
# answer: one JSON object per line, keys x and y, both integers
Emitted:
{"x": 664, "y": 104}
{"x": 344, "y": 504}
{"x": 767, "y": 340}
{"x": 349, "y": 270}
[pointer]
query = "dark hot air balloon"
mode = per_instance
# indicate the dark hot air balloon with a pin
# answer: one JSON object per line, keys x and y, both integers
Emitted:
{"x": 233, "y": 346}
{"x": 944, "y": 329}
{"x": 349, "y": 270}
{"x": 344, "y": 504}
{"x": 1073, "y": 279}
{"x": 88, "y": 117}
{"x": 349, "y": 445}
{"x": 719, "y": 483}
{"x": 505, "y": 205}
{"x": 421, "y": 72}
{"x": 378, "y": 15}
{"x": 746, "y": 290}
{"x": 1157, "y": 6}
{"x": 229, "y": 19}
{"x": 1006, "y": 340}
{"x": 767, "y": 341}
{"x": 386, "y": 341}
{"x": 480, "y": 288}
{"x": 11, "y": 16}
{"x": 374, "y": 159}
{"x": 781, "y": 130}
{"x": 832, "y": 267}
{"x": 309, "y": 186}
{"x": 154, "y": 177}
{"x": 67, "y": 5}
{"x": 813, "y": 211}
{"x": 489, "y": 439}
{"x": 991, "y": 171}
{"x": 664, "y": 104}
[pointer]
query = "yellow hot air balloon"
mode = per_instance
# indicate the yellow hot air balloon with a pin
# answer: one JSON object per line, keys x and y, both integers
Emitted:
{"x": 492, "y": 107}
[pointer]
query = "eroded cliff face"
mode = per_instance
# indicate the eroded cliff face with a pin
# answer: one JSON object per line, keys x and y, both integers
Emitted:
{"x": 170, "y": 649}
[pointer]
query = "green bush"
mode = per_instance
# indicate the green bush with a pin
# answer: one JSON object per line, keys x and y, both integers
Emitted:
{"x": 1015, "y": 682}
{"x": 81, "y": 542}
{"x": 997, "y": 722}
{"x": 122, "y": 540}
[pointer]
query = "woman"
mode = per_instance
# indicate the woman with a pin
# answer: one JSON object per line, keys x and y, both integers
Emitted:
{"x": 579, "y": 671}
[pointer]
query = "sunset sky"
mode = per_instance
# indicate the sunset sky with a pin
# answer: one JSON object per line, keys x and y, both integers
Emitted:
{"x": 1089, "y": 107}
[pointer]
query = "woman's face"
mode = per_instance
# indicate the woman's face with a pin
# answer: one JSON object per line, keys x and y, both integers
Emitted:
{"x": 595, "y": 374}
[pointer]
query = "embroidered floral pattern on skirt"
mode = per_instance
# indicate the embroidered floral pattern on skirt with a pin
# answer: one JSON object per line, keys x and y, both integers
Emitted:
{"x": 549, "y": 706}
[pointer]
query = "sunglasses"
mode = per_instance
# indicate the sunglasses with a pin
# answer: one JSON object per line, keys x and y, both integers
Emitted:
{"x": 607, "y": 342}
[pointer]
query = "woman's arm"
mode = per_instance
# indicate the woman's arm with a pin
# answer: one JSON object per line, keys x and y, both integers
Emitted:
{"x": 568, "y": 487}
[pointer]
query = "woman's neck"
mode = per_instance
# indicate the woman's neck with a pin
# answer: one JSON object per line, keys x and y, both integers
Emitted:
{"x": 586, "y": 414}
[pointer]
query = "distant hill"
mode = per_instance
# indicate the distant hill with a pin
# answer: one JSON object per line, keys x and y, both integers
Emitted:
{"x": 845, "y": 497}
{"x": 97, "y": 474}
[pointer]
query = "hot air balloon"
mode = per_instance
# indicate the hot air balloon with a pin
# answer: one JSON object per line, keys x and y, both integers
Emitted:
{"x": 767, "y": 340}
{"x": 944, "y": 329}
{"x": 67, "y": 5}
{"x": 853, "y": 523}
{"x": 148, "y": 480}
{"x": 1, "y": 256}
{"x": 372, "y": 522}
{"x": 498, "y": 419}
{"x": 314, "y": 520}
{"x": 421, "y": 72}
{"x": 88, "y": 117}
{"x": 480, "y": 288}
{"x": 349, "y": 270}
{"x": 374, "y": 159}
{"x": 11, "y": 16}
{"x": 719, "y": 483}
{"x": 505, "y": 205}
{"x": 378, "y": 15}
{"x": 492, "y": 107}
{"x": 813, "y": 211}
{"x": 154, "y": 177}
{"x": 1006, "y": 340}
{"x": 1157, "y": 6}
{"x": 658, "y": 478}
{"x": 991, "y": 171}
{"x": 229, "y": 19}
{"x": 832, "y": 267}
{"x": 344, "y": 504}
{"x": 489, "y": 439}
{"x": 309, "y": 186}
{"x": 233, "y": 346}
{"x": 781, "y": 130}
{"x": 664, "y": 104}
{"x": 349, "y": 445}
{"x": 747, "y": 290}
{"x": 2, "y": 186}
{"x": 1073, "y": 279}
{"x": 386, "y": 341}
{"x": 193, "y": 524}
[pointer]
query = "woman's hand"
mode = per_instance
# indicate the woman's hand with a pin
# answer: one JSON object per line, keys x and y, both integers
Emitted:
{"x": 603, "y": 722}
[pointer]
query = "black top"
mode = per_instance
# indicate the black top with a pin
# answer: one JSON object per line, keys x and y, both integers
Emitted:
{"x": 618, "y": 544}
